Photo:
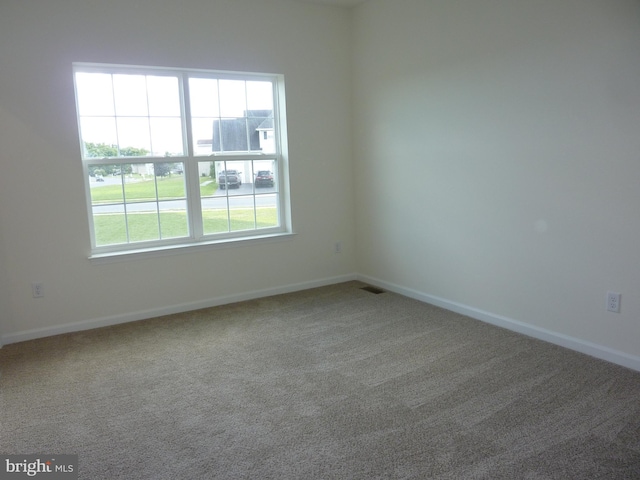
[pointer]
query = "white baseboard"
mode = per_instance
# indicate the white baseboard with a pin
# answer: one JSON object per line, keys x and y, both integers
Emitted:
{"x": 588, "y": 348}
{"x": 582, "y": 346}
{"x": 183, "y": 307}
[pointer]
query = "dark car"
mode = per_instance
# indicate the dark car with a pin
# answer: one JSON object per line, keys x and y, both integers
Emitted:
{"x": 229, "y": 178}
{"x": 264, "y": 178}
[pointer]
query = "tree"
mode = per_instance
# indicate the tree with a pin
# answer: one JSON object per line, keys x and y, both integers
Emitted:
{"x": 162, "y": 169}
{"x": 133, "y": 152}
{"x": 102, "y": 150}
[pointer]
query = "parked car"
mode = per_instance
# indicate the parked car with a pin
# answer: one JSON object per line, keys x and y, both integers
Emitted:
{"x": 229, "y": 178}
{"x": 264, "y": 178}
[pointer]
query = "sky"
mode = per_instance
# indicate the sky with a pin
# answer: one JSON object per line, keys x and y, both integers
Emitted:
{"x": 144, "y": 111}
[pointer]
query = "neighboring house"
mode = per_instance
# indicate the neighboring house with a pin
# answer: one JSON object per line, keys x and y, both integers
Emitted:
{"x": 253, "y": 132}
{"x": 240, "y": 134}
{"x": 266, "y": 134}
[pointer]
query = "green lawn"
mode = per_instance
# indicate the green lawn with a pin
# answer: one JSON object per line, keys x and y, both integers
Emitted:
{"x": 111, "y": 229}
{"x": 137, "y": 189}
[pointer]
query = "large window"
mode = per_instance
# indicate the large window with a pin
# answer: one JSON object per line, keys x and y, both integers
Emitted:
{"x": 180, "y": 157}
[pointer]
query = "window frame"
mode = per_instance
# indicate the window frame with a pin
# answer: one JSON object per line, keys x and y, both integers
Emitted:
{"x": 190, "y": 161}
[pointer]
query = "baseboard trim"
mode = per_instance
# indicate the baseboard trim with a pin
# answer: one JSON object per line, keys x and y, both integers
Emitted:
{"x": 582, "y": 346}
{"x": 572, "y": 343}
{"x": 183, "y": 307}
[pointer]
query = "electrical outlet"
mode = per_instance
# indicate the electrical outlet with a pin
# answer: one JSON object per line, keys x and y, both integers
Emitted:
{"x": 37, "y": 290}
{"x": 613, "y": 302}
{"x": 337, "y": 248}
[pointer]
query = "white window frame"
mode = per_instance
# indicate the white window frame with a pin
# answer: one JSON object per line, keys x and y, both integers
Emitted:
{"x": 196, "y": 237}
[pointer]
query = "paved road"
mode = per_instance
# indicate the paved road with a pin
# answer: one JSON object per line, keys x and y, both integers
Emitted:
{"x": 237, "y": 197}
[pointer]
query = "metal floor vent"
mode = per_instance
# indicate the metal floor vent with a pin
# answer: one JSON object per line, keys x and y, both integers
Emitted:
{"x": 371, "y": 289}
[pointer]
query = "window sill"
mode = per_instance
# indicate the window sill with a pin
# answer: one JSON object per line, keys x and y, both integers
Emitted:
{"x": 143, "y": 253}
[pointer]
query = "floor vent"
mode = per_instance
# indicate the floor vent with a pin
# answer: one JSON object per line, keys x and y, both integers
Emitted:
{"x": 371, "y": 289}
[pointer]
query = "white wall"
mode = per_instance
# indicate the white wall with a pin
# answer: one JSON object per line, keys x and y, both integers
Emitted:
{"x": 45, "y": 234}
{"x": 5, "y": 310}
{"x": 497, "y": 158}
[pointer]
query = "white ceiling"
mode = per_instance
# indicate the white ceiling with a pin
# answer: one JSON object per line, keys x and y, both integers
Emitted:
{"x": 340, "y": 3}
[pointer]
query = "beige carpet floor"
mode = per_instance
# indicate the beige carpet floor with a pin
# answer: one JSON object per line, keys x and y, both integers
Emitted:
{"x": 329, "y": 383}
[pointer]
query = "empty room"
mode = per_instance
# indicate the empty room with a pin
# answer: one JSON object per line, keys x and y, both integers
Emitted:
{"x": 350, "y": 239}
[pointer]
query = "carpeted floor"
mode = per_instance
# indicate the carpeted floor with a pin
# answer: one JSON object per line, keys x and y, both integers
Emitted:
{"x": 329, "y": 383}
